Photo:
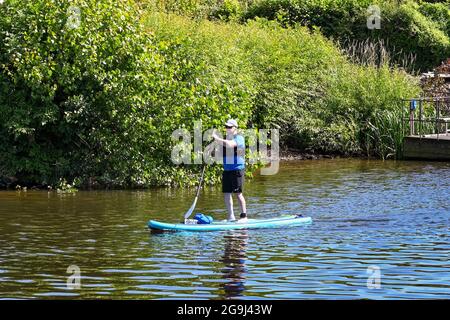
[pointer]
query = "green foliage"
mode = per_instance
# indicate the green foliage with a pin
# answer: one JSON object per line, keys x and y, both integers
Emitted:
{"x": 228, "y": 10}
{"x": 406, "y": 27}
{"x": 74, "y": 75}
{"x": 94, "y": 101}
{"x": 300, "y": 82}
{"x": 439, "y": 13}
{"x": 384, "y": 134}
{"x": 191, "y": 8}
{"x": 422, "y": 36}
{"x": 100, "y": 100}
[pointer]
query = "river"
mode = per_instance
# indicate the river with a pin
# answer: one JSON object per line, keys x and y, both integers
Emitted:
{"x": 380, "y": 231}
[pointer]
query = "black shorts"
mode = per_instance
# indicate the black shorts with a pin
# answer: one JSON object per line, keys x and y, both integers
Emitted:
{"x": 233, "y": 181}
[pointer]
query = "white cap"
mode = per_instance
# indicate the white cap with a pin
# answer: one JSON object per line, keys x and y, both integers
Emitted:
{"x": 231, "y": 123}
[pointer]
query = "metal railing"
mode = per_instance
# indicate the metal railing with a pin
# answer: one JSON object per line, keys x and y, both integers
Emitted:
{"x": 427, "y": 116}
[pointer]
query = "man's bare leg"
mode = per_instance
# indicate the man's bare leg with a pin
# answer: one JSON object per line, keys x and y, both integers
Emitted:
{"x": 242, "y": 203}
{"x": 229, "y": 204}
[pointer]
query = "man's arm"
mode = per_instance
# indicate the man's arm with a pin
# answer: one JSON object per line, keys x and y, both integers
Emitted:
{"x": 224, "y": 142}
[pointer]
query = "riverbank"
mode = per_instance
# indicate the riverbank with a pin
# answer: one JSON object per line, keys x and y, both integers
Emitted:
{"x": 14, "y": 183}
{"x": 295, "y": 154}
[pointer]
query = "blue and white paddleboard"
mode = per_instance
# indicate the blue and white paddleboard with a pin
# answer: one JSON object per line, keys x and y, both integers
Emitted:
{"x": 283, "y": 221}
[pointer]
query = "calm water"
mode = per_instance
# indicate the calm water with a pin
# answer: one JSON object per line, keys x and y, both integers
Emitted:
{"x": 366, "y": 214}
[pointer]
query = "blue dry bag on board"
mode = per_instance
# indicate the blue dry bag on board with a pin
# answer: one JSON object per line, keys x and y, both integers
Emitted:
{"x": 202, "y": 219}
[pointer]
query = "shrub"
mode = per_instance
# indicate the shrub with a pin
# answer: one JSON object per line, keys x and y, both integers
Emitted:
{"x": 228, "y": 10}
{"x": 95, "y": 100}
{"x": 74, "y": 73}
{"x": 300, "y": 82}
{"x": 99, "y": 101}
{"x": 439, "y": 13}
{"x": 405, "y": 28}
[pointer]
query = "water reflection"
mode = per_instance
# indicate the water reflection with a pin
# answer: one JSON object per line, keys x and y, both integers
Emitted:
{"x": 234, "y": 258}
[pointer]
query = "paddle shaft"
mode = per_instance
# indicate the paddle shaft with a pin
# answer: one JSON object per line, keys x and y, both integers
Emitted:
{"x": 191, "y": 209}
{"x": 201, "y": 181}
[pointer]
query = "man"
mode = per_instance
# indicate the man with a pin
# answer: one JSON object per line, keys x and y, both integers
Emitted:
{"x": 233, "y": 168}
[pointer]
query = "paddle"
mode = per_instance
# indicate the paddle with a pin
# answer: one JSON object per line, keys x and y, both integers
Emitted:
{"x": 191, "y": 209}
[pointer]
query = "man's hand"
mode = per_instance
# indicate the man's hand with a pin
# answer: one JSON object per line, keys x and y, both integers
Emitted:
{"x": 223, "y": 142}
{"x": 215, "y": 135}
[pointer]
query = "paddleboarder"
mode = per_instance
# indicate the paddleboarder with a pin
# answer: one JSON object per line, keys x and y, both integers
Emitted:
{"x": 233, "y": 168}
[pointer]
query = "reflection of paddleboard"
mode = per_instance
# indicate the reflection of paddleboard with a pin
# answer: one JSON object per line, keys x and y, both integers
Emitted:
{"x": 283, "y": 221}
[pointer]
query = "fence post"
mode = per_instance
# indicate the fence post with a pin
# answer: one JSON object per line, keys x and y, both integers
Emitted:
{"x": 412, "y": 108}
{"x": 437, "y": 117}
{"x": 420, "y": 119}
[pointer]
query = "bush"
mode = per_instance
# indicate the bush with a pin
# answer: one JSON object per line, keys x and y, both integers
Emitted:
{"x": 74, "y": 73}
{"x": 439, "y": 13}
{"x": 228, "y": 10}
{"x": 97, "y": 101}
{"x": 405, "y": 28}
{"x": 301, "y": 83}
{"x": 94, "y": 100}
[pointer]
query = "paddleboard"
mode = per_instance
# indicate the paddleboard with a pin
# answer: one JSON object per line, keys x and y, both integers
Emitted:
{"x": 283, "y": 221}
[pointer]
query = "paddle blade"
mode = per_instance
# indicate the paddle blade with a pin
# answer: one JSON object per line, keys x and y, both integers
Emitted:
{"x": 191, "y": 209}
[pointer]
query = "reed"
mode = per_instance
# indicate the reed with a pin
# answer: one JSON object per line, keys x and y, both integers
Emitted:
{"x": 377, "y": 53}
